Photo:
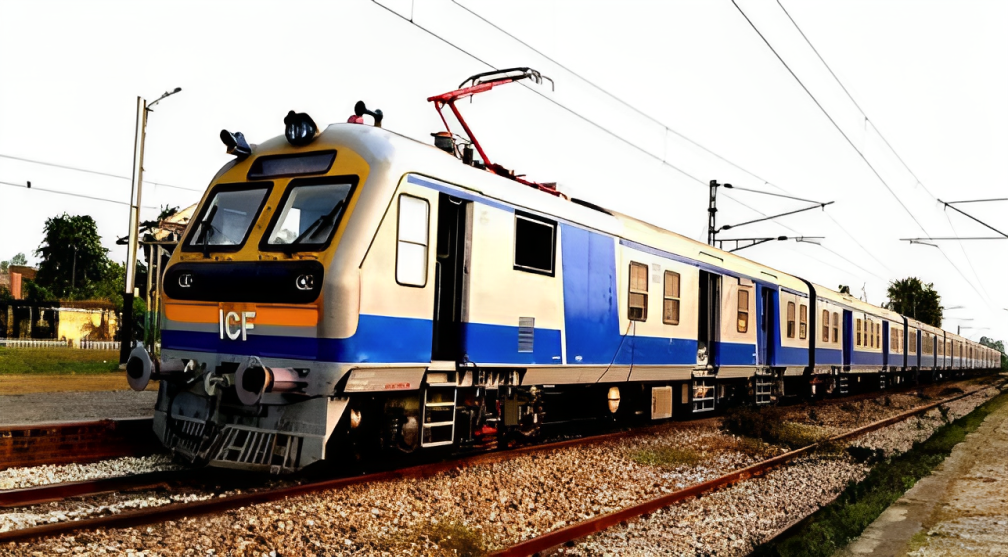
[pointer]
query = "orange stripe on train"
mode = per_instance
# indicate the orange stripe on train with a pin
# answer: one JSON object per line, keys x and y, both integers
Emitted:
{"x": 292, "y": 316}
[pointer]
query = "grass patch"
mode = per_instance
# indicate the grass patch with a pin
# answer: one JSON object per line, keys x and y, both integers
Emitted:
{"x": 836, "y": 524}
{"x": 16, "y": 361}
{"x": 768, "y": 424}
{"x": 453, "y": 539}
{"x": 669, "y": 457}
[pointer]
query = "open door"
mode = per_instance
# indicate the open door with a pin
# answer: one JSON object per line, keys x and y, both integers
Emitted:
{"x": 450, "y": 279}
{"x": 709, "y": 322}
{"x": 767, "y": 340}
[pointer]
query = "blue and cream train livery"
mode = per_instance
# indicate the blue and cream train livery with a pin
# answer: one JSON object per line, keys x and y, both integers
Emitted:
{"x": 352, "y": 289}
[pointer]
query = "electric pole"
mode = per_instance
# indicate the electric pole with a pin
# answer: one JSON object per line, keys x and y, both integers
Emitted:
{"x": 126, "y": 326}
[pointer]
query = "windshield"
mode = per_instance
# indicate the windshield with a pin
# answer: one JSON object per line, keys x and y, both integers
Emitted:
{"x": 309, "y": 215}
{"x": 228, "y": 217}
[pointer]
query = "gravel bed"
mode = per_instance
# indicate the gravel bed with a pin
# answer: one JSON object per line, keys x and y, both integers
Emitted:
{"x": 731, "y": 521}
{"x": 32, "y": 476}
{"x": 494, "y": 505}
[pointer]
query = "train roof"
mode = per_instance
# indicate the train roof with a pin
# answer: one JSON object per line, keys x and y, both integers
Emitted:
{"x": 378, "y": 146}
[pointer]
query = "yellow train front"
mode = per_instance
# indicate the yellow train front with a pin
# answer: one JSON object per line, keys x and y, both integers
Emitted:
{"x": 298, "y": 308}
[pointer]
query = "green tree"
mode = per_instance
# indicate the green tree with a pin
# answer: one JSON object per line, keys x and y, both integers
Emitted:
{"x": 913, "y": 298}
{"x": 166, "y": 211}
{"x": 18, "y": 259}
{"x": 72, "y": 259}
{"x": 996, "y": 345}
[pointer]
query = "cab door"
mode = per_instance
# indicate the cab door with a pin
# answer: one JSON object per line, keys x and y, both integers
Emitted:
{"x": 450, "y": 277}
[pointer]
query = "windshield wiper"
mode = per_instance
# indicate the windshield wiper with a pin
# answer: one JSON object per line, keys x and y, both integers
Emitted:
{"x": 315, "y": 227}
{"x": 206, "y": 230}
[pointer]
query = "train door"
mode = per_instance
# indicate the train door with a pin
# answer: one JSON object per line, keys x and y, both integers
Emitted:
{"x": 768, "y": 339}
{"x": 450, "y": 278}
{"x": 709, "y": 322}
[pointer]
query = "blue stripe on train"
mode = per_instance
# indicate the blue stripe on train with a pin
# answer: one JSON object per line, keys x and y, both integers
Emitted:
{"x": 379, "y": 339}
{"x": 498, "y": 344}
{"x": 859, "y": 358}
{"x": 828, "y": 356}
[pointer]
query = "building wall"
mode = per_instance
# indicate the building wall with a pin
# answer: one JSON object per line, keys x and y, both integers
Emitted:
{"x": 86, "y": 324}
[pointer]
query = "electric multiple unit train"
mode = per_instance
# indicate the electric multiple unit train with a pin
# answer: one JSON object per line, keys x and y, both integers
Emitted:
{"x": 352, "y": 288}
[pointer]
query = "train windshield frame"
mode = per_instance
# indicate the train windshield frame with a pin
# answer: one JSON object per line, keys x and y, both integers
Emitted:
{"x": 226, "y": 220}
{"x": 309, "y": 214}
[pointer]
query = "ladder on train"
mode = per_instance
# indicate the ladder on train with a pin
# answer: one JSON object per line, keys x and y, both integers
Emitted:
{"x": 764, "y": 388}
{"x": 438, "y": 415}
{"x": 843, "y": 385}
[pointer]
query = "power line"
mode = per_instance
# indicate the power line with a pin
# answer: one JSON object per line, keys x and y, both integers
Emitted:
{"x": 95, "y": 172}
{"x": 851, "y": 143}
{"x": 828, "y": 117}
{"x": 661, "y": 124}
{"x": 564, "y": 107}
{"x": 884, "y": 140}
{"x": 81, "y": 195}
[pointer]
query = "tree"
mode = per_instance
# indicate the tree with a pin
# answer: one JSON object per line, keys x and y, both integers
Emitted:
{"x": 18, "y": 259}
{"x": 166, "y": 211}
{"x": 912, "y": 298}
{"x": 844, "y": 289}
{"x": 72, "y": 258}
{"x": 996, "y": 345}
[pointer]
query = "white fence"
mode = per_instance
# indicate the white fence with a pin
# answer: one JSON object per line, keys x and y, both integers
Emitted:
{"x": 34, "y": 343}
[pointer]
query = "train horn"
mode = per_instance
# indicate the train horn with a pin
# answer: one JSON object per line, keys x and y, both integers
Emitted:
{"x": 253, "y": 380}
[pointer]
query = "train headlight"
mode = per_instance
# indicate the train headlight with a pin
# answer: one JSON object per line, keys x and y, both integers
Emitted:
{"x": 301, "y": 129}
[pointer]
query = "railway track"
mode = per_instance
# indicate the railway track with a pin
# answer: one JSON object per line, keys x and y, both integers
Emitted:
{"x": 32, "y": 496}
{"x": 55, "y": 492}
{"x": 570, "y": 533}
{"x": 66, "y": 442}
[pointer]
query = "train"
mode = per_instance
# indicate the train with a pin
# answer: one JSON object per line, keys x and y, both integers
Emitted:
{"x": 350, "y": 289}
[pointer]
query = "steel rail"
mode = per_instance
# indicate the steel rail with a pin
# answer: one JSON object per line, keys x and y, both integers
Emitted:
{"x": 65, "y": 442}
{"x": 219, "y": 504}
{"x": 573, "y": 532}
{"x": 24, "y": 497}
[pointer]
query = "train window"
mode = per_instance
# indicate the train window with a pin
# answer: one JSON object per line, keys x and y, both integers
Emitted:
{"x": 825, "y": 325}
{"x": 790, "y": 320}
{"x": 670, "y": 311}
{"x": 535, "y": 244}
{"x": 858, "y": 332}
{"x": 836, "y": 327}
{"x": 743, "y": 311}
{"x": 878, "y": 335}
{"x": 413, "y": 238}
{"x": 637, "y": 308}
{"x": 803, "y": 324}
{"x": 912, "y": 343}
{"x": 226, "y": 220}
{"x": 310, "y": 215}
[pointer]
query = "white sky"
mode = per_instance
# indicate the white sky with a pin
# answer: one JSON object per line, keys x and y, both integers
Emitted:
{"x": 931, "y": 75}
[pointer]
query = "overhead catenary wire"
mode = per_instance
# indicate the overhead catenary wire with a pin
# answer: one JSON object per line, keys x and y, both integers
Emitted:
{"x": 566, "y": 108}
{"x": 851, "y": 142}
{"x": 892, "y": 150}
{"x": 60, "y": 192}
{"x": 95, "y": 172}
{"x": 654, "y": 120}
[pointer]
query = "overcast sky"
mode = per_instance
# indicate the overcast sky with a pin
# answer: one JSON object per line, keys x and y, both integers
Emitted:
{"x": 931, "y": 77}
